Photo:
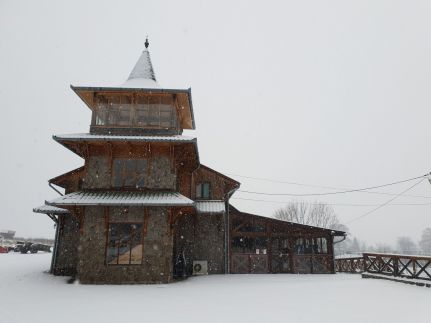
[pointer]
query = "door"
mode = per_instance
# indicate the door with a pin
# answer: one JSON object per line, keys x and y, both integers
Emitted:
{"x": 280, "y": 255}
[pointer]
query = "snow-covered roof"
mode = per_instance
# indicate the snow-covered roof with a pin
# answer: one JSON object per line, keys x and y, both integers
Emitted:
{"x": 140, "y": 84}
{"x": 122, "y": 198}
{"x": 210, "y": 206}
{"x": 49, "y": 209}
{"x": 142, "y": 75}
{"x": 142, "y": 79}
{"x": 89, "y": 137}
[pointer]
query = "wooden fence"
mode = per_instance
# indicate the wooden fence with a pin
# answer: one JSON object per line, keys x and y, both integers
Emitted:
{"x": 349, "y": 265}
{"x": 417, "y": 267}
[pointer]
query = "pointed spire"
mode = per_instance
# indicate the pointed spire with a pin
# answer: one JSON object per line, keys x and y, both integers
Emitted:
{"x": 142, "y": 75}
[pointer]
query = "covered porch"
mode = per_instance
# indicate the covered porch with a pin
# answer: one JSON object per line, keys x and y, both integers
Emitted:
{"x": 260, "y": 245}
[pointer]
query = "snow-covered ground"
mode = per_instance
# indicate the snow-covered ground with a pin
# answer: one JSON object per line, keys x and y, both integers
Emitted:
{"x": 29, "y": 294}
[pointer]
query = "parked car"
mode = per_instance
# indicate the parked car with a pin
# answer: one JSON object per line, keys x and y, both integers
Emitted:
{"x": 18, "y": 246}
{"x": 35, "y": 247}
{"x": 25, "y": 247}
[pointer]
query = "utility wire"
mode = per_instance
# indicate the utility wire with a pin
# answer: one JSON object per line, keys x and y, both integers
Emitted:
{"x": 386, "y": 203}
{"x": 332, "y": 204}
{"x": 338, "y": 192}
{"x": 321, "y": 186}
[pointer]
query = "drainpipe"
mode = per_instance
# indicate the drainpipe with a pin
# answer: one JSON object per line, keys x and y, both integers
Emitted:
{"x": 226, "y": 231}
{"x": 344, "y": 238}
{"x": 334, "y": 243}
{"x": 55, "y": 250}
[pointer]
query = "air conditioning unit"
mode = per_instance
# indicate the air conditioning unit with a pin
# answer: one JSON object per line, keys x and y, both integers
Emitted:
{"x": 200, "y": 267}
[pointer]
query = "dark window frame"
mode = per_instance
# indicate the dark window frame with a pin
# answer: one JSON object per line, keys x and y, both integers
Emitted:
{"x": 308, "y": 246}
{"x": 121, "y": 238}
{"x": 250, "y": 245}
{"x": 201, "y": 193}
{"x": 135, "y": 111}
{"x": 129, "y": 172}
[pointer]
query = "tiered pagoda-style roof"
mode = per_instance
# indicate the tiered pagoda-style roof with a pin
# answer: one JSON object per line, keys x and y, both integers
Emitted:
{"x": 130, "y": 121}
{"x": 138, "y": 95}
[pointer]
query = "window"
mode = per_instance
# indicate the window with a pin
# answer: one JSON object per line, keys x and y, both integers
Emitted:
{"x": 203, "y": 191}
{"x": 146, "y": 111}
{"x": 302, "y": 246}
{"x": 320, "y": 245}
{"x": 243, "y": 245}
{"x": 280, "y": 246}
{"x": 251, "y": 245}
{"x": 124, "y": 244}
{"x": 311, "y": 245}
{"x": 129, "y": 172}
{"x": 248, "y": 225}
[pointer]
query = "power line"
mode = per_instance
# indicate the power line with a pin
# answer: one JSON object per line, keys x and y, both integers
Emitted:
{"x": 333, "y": 204}
{"x": 386, "y": 203}
{"x": 321, "y": 186}
{"x": 338, "y": 192}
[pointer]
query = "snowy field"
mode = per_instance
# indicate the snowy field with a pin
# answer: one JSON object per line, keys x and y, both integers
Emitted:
{"x": 29, "y": 294}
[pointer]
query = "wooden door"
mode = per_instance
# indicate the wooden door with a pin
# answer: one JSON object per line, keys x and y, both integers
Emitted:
{"x": 249, "y": 264}
{"x": 258, "y": 264}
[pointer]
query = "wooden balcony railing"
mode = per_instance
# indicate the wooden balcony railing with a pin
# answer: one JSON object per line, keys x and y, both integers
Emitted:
{"x": 416, "y": 267}
{"x": 349, "y": 265}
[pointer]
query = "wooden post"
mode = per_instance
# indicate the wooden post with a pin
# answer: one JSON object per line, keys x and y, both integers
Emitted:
{"x": 395, "y": 263}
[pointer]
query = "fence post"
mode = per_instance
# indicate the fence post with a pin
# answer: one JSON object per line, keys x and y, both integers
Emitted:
{"x": 395, "y": 262}
{"x": 364, "y": 263}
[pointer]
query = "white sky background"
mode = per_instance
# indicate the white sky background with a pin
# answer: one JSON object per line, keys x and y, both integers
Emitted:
{"x": 333, "y": 93}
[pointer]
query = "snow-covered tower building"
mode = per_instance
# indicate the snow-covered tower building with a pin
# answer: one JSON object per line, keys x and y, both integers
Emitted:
{"x": 142, "y": 208}
{"x": 121, "y": 210}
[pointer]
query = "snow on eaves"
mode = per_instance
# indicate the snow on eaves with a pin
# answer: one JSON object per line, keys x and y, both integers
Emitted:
{"x": 210, "y": 206}
{"x": 90, "y": 137}
{"x": 49, "y": 209}
{"x": 122, "y": 198}
{"x": 140, "y": 83}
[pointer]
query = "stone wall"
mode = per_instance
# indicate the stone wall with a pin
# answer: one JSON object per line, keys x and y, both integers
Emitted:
{"x": 201, "y": 237}
{"x": 160, "y": 175}
{"x": 209, "y": 243}
{"x": 157, "y": 247}
{"x": 184, "y": 242}
{"x": 66, "y": 257}
{"x": 98, "y": 174}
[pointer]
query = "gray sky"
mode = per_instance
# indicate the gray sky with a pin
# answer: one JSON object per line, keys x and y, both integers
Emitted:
{"x": 333, "y": 93}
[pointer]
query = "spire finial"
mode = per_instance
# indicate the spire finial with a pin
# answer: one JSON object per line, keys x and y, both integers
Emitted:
{"x": 146, "y": 43}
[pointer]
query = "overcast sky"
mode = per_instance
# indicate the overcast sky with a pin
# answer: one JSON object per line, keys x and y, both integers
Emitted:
{"x": 332, "y": 93}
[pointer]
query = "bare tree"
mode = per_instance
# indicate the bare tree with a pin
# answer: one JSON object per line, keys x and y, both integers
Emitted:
{"x": 317, "y": 214}
{"x": 425, "y": 242}
{"x": 406, "y": 245}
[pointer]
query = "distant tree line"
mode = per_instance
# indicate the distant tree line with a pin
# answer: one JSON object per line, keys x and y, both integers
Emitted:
{"x": 404, "y": 245}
